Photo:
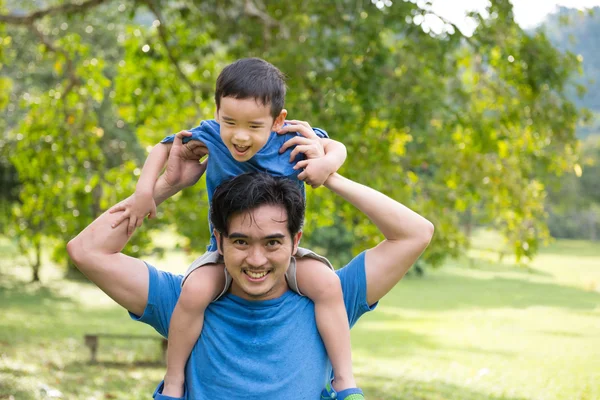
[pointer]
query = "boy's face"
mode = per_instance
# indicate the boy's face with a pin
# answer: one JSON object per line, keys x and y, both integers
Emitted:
{"x": 257, "y": 252}
{"x": 246, "y": 125}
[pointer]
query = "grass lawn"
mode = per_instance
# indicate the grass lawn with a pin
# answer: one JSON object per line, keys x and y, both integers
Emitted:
{"x": 474, "y": 329}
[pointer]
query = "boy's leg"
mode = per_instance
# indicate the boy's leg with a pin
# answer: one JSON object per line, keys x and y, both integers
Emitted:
{"x": 319, "y": 283}
{"x": 201, "y": 287}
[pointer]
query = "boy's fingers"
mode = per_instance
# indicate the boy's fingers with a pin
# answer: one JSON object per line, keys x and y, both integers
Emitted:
{"x": 301, "y": 164}
{"x": 131, "y": 226}
{"x": 302, "y": 175}
{"x": 301, "y": 129}
{"x": 121, "y": 218}
{"x": 294, "y": 142}
{"x": 152, "y": 213}
{"x": 297, "y": 150}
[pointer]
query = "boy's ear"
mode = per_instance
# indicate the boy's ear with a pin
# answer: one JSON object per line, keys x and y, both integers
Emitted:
{"x": 279, "y": 121}
{"x": 219, "y": 243}
{"x": 217, "y": 115}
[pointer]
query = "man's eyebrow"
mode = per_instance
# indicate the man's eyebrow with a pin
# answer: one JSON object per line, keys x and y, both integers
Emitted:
{"x": 238, "y": 235}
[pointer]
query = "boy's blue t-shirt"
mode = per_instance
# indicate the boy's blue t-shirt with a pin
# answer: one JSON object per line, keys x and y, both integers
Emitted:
{"x": 256, "y": 350}
{"x": 222, "y": 165}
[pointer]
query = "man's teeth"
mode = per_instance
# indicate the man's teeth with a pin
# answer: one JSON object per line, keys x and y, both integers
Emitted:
{"x": 256, "y": 275}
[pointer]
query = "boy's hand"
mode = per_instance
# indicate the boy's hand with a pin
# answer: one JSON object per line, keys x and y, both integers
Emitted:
{"x": 309, "y": 143}
{"x": 316, "y": 171}
{"x": 135, "y": 208}
{"x": 316, "y": 168}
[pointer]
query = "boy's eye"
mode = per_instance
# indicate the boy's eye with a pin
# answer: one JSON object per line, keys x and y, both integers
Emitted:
{"x": 229, "y": 122}
{"x": 254, "y": 127}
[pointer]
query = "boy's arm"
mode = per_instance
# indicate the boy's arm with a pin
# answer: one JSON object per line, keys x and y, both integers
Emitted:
{"x": 141, "y": 203}
{"x": 406, "y": 233}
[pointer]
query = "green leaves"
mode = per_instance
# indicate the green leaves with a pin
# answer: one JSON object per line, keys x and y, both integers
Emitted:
{"x": 463, "y": 130}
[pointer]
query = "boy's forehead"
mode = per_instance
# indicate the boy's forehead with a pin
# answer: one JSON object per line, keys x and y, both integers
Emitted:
{"x": 247, "y": 109}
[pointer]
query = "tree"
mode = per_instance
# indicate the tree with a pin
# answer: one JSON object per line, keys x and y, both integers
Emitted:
{"x": 449, "y": 124}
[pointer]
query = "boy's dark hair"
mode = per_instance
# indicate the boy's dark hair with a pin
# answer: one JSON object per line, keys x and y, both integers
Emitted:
{"x": 251, "y": 190}
{"x": 252, "y": 78}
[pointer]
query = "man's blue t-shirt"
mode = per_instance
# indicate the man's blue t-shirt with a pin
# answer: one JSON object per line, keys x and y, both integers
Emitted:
{"x": 222, "y": 165}
{"x": 256, "y": 350}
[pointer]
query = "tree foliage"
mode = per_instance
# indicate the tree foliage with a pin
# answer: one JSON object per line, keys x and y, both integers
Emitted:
{"x": 452, "y": 126}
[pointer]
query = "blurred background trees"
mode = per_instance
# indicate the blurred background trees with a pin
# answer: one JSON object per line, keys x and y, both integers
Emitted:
{"x": 467, "y": 130}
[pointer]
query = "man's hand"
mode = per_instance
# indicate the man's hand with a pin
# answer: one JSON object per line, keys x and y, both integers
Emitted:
{"x": 183, "y": 166}
{"x": 316, "y": 167}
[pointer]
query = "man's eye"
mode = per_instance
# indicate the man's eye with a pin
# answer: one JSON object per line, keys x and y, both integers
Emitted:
{"x": 239, "y": 242}
{"x": 272, "y": 243}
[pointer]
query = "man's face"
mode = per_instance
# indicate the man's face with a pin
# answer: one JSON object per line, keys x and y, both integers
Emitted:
{"x": 257, "y": 252}
{"x": 246, "y": 125}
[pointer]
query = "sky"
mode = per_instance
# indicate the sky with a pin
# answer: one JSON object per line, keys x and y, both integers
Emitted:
{"x": 528, "y": 13}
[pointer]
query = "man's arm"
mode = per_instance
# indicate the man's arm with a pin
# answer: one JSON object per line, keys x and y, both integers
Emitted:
{"x": 97, "y": 249}
{"x": 406, "y": 233}
{"x": 97, "y": 253}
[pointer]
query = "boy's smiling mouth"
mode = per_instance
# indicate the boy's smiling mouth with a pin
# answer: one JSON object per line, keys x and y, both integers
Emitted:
{"x": 241, "y": 149}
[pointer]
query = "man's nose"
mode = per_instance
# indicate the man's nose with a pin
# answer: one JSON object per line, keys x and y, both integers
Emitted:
{"x": 256, "y": 257}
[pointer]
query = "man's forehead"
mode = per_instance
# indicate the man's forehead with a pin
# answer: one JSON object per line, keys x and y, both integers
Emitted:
{"x": 265, "y": 220}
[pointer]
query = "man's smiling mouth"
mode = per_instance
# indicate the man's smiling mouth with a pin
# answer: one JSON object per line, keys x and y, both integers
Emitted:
{"x": 256, "y": 275}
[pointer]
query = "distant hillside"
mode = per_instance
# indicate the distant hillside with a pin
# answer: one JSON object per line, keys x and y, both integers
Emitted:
{"x": 579, "y": 32}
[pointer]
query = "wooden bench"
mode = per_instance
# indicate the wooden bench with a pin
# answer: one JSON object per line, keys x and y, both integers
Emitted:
{"x": 92, "y": 340}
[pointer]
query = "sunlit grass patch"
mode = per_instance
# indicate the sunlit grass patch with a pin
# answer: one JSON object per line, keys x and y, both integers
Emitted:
{"x": 474, "y": 329}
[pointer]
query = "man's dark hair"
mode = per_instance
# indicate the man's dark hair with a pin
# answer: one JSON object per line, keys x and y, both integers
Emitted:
{"x": 252, "y": 78}
{"x": 251, "y": 190}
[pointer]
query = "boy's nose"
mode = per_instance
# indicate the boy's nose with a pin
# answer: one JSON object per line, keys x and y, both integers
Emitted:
{"x": 241, "y": 137}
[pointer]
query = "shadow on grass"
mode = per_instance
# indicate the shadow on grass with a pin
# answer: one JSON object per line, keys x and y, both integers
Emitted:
{"x": 379, "y": 388}
{"x": 485, "y": 265}
{"x": 464, "y": 292}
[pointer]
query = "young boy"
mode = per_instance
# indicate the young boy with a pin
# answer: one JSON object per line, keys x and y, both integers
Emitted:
{"x": 249, "y": 134}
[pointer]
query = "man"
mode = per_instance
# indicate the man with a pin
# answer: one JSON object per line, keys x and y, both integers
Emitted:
{"x": 260, "y": 340}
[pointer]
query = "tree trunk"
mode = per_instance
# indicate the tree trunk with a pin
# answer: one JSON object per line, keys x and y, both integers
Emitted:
{"x": 38, "y": 262}
{"x": 592, "y": 221}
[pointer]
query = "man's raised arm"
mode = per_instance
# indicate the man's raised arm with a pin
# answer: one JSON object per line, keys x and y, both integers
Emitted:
{"x": 406, "y": 233}
{"x": 97, "y": 249}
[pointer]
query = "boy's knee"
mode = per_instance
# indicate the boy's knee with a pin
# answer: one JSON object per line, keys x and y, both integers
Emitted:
{"x": 327, "y": 287}
{"x": 202, "y": 286}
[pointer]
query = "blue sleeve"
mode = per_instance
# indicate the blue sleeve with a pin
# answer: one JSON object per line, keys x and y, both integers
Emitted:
{"x": 208, "y": 132}
{"x": 163, "y": 292}
{"x": 354, "y": 288}
{"x": 321, "y": 133}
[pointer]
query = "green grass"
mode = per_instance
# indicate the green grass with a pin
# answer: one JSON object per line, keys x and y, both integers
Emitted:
{"x": 474, "y": 329}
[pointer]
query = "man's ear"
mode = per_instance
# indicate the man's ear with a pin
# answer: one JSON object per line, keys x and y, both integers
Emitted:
{"x": 279, "y": 121}
{"x": 219, "y": 238}
{"x": 296, "y": 242}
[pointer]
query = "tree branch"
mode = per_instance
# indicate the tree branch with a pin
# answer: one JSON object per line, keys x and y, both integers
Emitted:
{"x": 162, "y": 34}
{"x": 73, "y": 79}
{"x": 63, "y": 9}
